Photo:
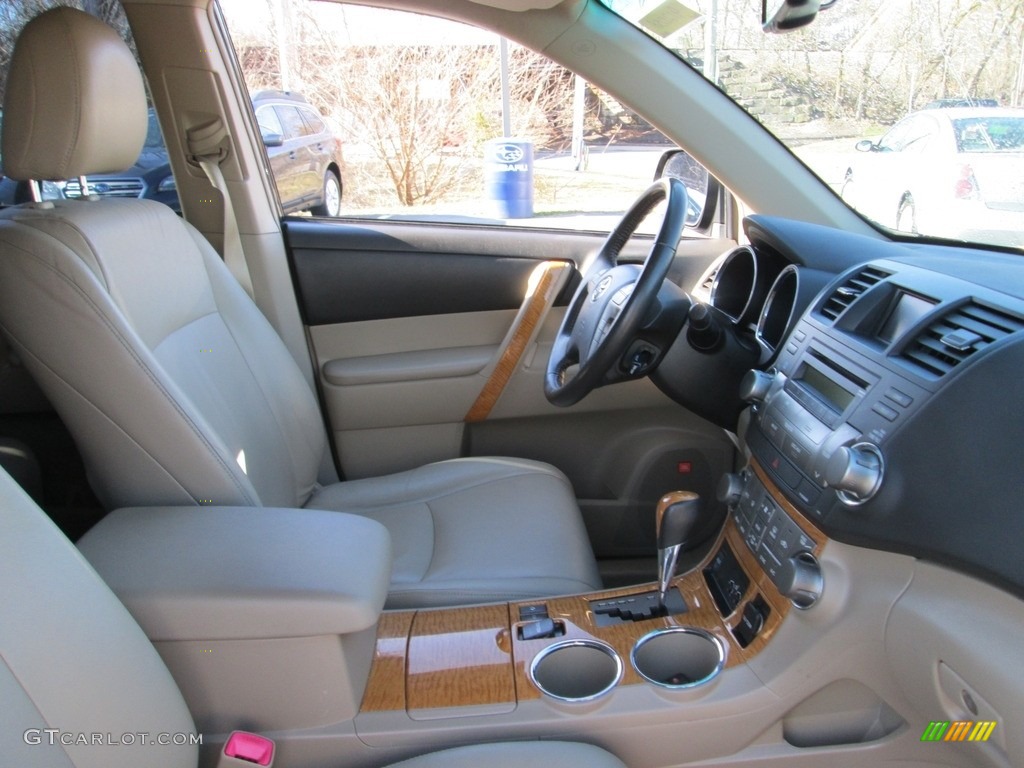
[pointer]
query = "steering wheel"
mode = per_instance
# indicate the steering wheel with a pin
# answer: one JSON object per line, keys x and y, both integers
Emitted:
{"x": 614, "y": 302}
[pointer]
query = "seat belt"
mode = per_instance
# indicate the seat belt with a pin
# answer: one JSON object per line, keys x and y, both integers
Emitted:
{"x": 207, "y": 144}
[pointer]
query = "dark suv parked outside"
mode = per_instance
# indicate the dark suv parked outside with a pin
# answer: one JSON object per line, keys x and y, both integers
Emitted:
{"x": 304, "y": 152}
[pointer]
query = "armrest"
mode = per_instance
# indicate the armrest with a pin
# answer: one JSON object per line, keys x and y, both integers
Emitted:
{"x": 409, "y": 366}
{"x": 228, "y": 573}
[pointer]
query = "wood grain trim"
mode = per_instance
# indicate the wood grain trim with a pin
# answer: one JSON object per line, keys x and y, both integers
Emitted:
{"x": 473, "y": 657}
{"x": 460, "y": 658}
{"x": 760, "y": 584}
{"x": 385, "y": 687}
{"x": 760, "y": 581}
{"x": 549, "y": 278}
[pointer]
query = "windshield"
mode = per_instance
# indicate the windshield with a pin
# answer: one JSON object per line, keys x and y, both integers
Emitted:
{"x": 910, "y": 111}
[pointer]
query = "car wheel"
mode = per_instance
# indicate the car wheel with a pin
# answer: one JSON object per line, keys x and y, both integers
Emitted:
{"x": 331, "y": 205}
{"x": 906, "y": 216}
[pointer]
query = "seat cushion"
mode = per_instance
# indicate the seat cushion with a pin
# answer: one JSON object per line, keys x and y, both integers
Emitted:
{"x": 474, "y": 530}
{"x": 550, "y": 754}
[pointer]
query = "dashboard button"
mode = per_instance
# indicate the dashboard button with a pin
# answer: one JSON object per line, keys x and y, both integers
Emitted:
{"x": 753, "y": 541}
{"x": 749, "y": 504}
{"x": 794, "y": 450}
{"x": 769, "y": 561}
{"x": 772, "y": 428}
{"x": 789, "y": 539}
{"x": 900, "y": 398}
{"x": 887, "y": 413}
{"x": 808, "y": 493}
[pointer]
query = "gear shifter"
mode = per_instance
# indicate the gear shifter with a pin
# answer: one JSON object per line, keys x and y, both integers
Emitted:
{"x": 677, "y": 517}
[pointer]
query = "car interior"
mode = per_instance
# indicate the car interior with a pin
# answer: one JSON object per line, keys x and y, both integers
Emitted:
{"x": 383, "y": 492}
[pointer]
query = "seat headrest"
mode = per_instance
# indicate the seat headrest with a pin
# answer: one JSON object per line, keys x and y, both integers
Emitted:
{"x": 75, "y": 103}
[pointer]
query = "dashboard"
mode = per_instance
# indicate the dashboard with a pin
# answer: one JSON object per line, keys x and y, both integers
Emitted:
{"x": 883, "y": 397}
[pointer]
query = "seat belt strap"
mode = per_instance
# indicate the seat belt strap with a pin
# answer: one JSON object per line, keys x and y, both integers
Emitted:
{"x": 207, "y": 143}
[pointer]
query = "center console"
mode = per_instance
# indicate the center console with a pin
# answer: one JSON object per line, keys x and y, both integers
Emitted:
{"x": 469, "y": 662}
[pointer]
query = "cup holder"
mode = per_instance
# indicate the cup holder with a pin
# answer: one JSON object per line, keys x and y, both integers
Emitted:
{"x": 678, "y": 658}
{"x": 576, "y": 670}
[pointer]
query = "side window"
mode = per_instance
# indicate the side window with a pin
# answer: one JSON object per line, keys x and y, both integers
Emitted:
{"x": 316, "y": 125}
{"x": 894, "y": 140}
{"x": 266, "y": 118}
{"x": 416, "y": 105}
{"x": 919, "y": 134}
{"x": 291, "y": 120}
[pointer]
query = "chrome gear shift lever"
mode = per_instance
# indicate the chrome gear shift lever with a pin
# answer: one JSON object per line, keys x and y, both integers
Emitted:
{"x": 678, "y": 515}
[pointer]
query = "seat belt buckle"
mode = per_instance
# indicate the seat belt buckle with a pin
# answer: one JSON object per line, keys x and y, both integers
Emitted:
{"x": 245, "y": 750}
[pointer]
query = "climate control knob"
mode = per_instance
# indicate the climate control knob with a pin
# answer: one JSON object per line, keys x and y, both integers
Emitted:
{"x": 802, "y": 581}
{"x": 855, "y": 472}
{"x": 755, "y": 386}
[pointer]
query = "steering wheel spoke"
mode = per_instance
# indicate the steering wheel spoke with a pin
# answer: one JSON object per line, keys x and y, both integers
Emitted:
{"x": 614, "y": 302}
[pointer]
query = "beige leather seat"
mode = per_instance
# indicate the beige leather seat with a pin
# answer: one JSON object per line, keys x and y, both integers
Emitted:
{"x": 73, "y": 659}
{"x": 178, "y": 391}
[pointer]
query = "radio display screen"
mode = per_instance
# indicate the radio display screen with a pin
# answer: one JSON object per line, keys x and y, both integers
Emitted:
{"x": 826, "y": 390}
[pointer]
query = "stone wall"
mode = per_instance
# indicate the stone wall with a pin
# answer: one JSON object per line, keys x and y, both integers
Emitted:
{"x": 766, "y": 97}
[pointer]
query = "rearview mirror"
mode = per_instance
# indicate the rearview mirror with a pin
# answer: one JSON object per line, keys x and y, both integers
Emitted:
{"x": 787, "y": 15}
{"x": 865, "y": 145}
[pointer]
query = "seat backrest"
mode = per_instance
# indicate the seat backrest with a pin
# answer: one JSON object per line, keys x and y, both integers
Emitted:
{"x": 176, "y": 388}
{"x": 78, "y": 678}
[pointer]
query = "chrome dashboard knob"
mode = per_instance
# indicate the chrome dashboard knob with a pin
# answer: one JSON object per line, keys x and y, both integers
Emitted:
{"x": 802, "y": 581}
{"x": 856, "y": 472}
{"x": 755, "y": 386}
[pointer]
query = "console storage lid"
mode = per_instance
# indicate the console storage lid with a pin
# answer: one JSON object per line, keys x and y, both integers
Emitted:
{"x": 231, "y": 573}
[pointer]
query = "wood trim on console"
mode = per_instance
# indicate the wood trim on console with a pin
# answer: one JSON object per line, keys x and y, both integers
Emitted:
{"x": 385, "y": 687}
{"x": 428, "y": 662}
{"x": 460, "y": 658}
{"x": 760, "y": 582}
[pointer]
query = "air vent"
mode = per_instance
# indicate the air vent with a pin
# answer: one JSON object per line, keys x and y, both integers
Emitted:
{"x": 953, "y": 338}
{"x": 702, "y": 292}
{"x": 847, "y": 293}
{"x": 709, "y": 281}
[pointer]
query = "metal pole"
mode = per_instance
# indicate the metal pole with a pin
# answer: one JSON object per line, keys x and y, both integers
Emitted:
{"x": 282, "y": 22}
{"x": 711, "y": 42}
{"x": 506, "y": 99}
{"x": 579, "y": 99}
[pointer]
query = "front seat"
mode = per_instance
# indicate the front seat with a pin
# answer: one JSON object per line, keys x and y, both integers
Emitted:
{"x": 179, "y": 392}
{"x": 74, "y": 666}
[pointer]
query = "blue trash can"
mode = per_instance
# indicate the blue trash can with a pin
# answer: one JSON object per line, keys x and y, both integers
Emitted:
{"x": 508, "y": 177}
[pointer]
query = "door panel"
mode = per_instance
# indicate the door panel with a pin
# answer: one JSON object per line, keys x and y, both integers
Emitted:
{"x": 407, "y": 323}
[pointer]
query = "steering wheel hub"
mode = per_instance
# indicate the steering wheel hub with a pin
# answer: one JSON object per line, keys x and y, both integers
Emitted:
{"x": 614, "y": 303}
